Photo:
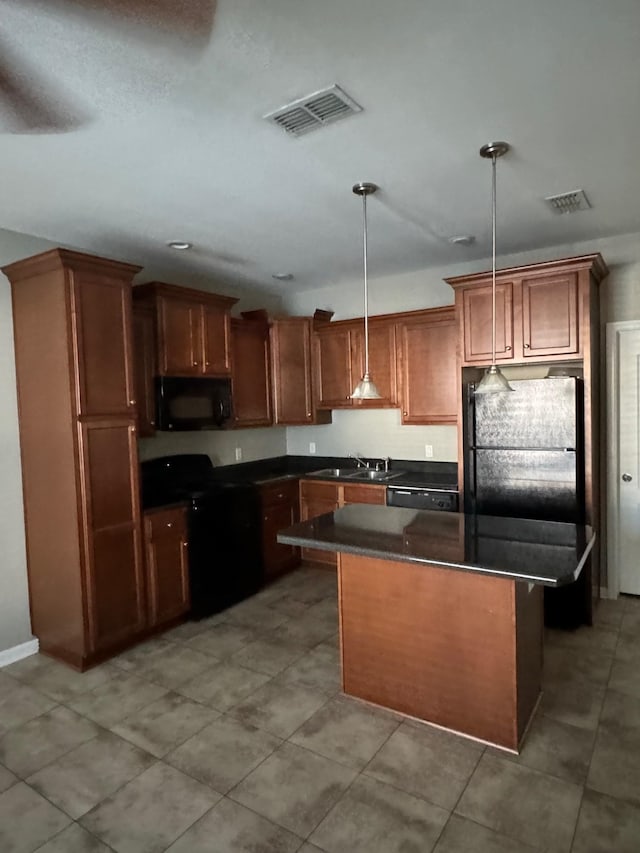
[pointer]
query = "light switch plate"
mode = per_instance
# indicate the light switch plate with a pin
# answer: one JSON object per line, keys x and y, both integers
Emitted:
{"x": 428, "y": 450}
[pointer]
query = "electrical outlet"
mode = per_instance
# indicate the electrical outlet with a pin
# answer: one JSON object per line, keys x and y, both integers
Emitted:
{"x": 428, "y": 450}
{"x": 238, "y": 454}
{"x": 312, "y": 447}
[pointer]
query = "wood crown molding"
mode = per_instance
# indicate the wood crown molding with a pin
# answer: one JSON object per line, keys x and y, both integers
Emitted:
{"x": 64, "y": 259}
{"x": 594, "y": 263}
{"x": 176, "y": 291}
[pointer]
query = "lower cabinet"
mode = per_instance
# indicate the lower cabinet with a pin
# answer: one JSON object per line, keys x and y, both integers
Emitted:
{"x": 167, "y": 565}
{"x": 280, "y": 509}
{"x": 319, "y": 496}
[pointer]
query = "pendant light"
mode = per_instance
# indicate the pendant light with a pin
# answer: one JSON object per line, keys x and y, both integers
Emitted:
{"x": 493, "y": 380}
{"x": 366, "y": 388}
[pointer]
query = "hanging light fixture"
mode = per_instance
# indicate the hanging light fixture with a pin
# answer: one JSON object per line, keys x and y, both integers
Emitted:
{"x": 366, "y": 388}
{"x": 493, "y": 379}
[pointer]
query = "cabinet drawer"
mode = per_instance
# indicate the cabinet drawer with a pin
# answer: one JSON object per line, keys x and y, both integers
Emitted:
{"x": 364, "y": 494}
{"x": 164, "y": 522}
{"x": 318, "y": 491}
{"x": 279, "y": 492}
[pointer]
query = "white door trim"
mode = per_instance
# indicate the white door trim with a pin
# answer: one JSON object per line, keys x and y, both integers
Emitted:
{"x": 613, "y": 485}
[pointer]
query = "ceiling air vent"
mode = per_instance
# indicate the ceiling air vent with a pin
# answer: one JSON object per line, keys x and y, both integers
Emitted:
{"x": 314, "y": 111}
{"x": 568, "y": 202}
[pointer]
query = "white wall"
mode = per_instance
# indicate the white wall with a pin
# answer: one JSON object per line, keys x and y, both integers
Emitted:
{"x": 261, "y": 443}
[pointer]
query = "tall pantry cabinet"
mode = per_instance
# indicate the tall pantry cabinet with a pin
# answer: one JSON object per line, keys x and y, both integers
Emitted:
{"x": 72, "y": 322}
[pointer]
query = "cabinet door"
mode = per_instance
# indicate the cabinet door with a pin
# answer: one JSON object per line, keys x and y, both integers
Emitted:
{"x": 167, "y": 565}
{"x": 216, "y": 334}
{"x": 250, "y": 375}
{"x": 382, "y": 363}
{"x": 144, "y": 364}
{"x": 550, "y": 315}
{"x": 477, "y": 319}
{"x": 180, "y": 337}
{"x": 102, "y": 317}
{"x": 333, "y": 367}
{"x": 429, "y": 380}
{"x": 363, "y": 493}
{"x": 291, "y": 362}
{"x": 111, "y": 541}
{"x": 316, "y": 498}
{"x": 278, "y": 558}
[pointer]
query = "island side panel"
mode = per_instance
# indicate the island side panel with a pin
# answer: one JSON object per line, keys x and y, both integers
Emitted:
{"x": 529, "y": 650}
{"x": 433, "y": 643}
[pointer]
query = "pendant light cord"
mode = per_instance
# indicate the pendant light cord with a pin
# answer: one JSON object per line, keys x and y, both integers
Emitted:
{"x": 493, "y": 255}
{"x": 366, "y": 300}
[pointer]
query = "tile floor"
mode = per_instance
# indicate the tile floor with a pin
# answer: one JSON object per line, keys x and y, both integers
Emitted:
{"x": 230, "y": 736}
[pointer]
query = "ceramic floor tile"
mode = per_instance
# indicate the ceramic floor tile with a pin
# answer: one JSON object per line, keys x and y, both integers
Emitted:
{"x": 62, "y": 683}
{"x": 223, "y": 640}
{"x": 185, "y": 631}
{"x": 607, "y": 825}
{"x": 375, "y": 818}
{"x": 150, "y": 812}
{"x": 585, "y": 637}
{"x": 326, "y": 611}
{"x": 120, "y": 696}
{"x": 28, "y": 668}
{"x": 289, "y": 607}
{"x": 562, "y": 666}
{"x": 174, "y": 666}
{"x": 615, "y": 766}
{"x": 347, "y": 731}
{"x": 319, "y": 668}
{"x": 511, "y": 799}
{"x": 609, "y": 613}
{"x": 43, "y": 739}
{"x": 267, "y": 655}
{"x": 303, "y": 630}
{"x": 223, "y": 753}
{"x": 258, "y": 617}
{"x": 628, "y": 648}
{"x": 20, "y": 703}
{"x": 88, "y": 774}
{"x": 428, "y": 762}
{"x": 620, "y": 710}
{"x": 625, "y": 678}
{"x": 294, "y": 788}
{"x": 223, "y": 686}
{"x": 74, "y": 839}
{"x": 164, "y": 724}
{"x": 141, "y": 654}
{"x": 310, "y": 848}
{"x": 631, "y": 622}
{"x": 577, "y": 704}
{"x": 230, "y": 828}
{"x": 27, "y": 820}
{"x": 7, "y": 779}
{"x": 556, "y": 748}
{"x": 280, "y": 707}
{"x": 465, "y": 836}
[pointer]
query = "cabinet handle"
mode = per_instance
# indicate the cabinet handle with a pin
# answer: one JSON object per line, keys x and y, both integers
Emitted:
{"x": 507, "y": 348}
{"x": 527, "y": 346}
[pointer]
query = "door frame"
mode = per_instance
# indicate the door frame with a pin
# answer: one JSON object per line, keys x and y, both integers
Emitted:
{"x": 612, "y": 473}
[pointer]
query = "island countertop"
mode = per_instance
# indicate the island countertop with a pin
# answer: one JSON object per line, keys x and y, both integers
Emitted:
{"x": 548, "y": 553}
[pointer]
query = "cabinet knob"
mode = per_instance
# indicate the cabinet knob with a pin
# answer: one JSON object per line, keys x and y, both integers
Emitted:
{"x": 405, "y": 414}
{"x": 152, "y": 423}
{"x": 133, "y": 429}
{"x": 527, "y": 346}
{"x": 507, "y": 348}
{"x": 169, "y": 523}
{"x": 207, "y": 364}
{"x": 308, "y": 414}
{"x": 185, "y": 544}
{"x": 132, "y": 402}
{"x": 348, "y": 397}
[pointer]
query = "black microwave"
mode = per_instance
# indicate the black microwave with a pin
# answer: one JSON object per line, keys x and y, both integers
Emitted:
{"x": 192, "y": 403}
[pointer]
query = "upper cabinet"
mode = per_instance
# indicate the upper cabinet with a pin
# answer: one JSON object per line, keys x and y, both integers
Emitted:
{"x": 250, "y": 374}
{"x": 193, "y": 329}
{"x": 144, "y": 363}
{"x": 294, "y": 395}
{"x": 340, "y": 361}
{"x": 427, "y": 344}
{"x": 542, "y": 311}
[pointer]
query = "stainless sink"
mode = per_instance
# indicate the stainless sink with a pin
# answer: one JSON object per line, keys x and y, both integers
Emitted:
{"x": 333, "y": 472}
{"x": 376, "y": 476}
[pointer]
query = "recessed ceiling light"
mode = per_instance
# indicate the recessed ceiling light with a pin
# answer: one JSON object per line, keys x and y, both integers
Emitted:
{"x": 179, "y": 245}
{"x": 283, "y": 276}
{"x": 462, "y": 240}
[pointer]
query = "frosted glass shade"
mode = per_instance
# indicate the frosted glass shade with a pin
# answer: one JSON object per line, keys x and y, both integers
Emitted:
{"x": 366, "y": 389}
{"x": 493, "y": 381}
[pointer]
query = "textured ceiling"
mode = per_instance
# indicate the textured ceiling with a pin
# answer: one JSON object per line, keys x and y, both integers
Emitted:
{"x": 164, "y": 136}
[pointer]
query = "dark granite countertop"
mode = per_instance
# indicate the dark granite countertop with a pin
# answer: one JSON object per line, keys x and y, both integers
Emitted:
{"x": 549, "y": 553}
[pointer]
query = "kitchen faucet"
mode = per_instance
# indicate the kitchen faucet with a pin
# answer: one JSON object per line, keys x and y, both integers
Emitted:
{"x": 360, "y": 461}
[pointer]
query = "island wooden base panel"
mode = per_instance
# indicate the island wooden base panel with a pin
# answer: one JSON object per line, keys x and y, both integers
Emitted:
{"x": 460, "y": 650}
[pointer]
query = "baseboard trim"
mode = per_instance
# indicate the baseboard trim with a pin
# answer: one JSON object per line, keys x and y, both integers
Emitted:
{"x": 16, "y": 653}
{"x": 604, "y": 592}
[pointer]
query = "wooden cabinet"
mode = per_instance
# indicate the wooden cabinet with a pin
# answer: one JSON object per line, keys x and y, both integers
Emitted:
{"x": 167, "y": 565}
{"x": 542, "y": 312}
{"x": 429, "y": 385}
{"x": 320, "y": 496}
{"x": 340, "y": 362}
{"x": 192, "y": 329}
{"x": 144, "y": 368}
{"x": 294, "y": 397}
{"x": 251, "y": 373}
{"x": 73, "y": 345}
{"x": 280, "y": 509}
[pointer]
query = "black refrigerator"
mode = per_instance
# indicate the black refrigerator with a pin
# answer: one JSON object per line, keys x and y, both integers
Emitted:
{"x": 524, "y": 458}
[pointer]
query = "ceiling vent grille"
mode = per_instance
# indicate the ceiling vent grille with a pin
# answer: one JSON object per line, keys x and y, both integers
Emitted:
{"x": 568, "y": 202}
{"x": 314, "y": 111}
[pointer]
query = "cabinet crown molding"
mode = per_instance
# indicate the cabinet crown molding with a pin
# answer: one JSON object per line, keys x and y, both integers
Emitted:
{"x": 595, "y": 263}
{"x": 66, "y": 259}
{"x": 176, "y": 291}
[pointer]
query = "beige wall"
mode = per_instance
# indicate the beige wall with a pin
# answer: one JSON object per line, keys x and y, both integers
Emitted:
{"x": 371, "y": 433}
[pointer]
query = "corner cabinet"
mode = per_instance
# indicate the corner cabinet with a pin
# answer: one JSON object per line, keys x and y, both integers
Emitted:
{"x": 192, "y": 329}
{"x": 77, "y": 417}
{"x": 542, "y": 312}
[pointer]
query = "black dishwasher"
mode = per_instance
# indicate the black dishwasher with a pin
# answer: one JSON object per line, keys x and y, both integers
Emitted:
{"x": 224, "y": 522}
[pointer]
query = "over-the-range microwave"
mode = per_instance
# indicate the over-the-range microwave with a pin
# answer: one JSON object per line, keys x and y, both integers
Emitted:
{"x": 192, "y": 403}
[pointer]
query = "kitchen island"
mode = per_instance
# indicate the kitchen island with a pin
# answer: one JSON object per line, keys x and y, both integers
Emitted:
{"x": 441, "y": 613}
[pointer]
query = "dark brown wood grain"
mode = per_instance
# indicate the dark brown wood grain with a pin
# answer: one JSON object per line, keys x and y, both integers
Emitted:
{"x": 166, "y": 564}
{"x": 250, "y": 375}
{"x": 280, "y": 509}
